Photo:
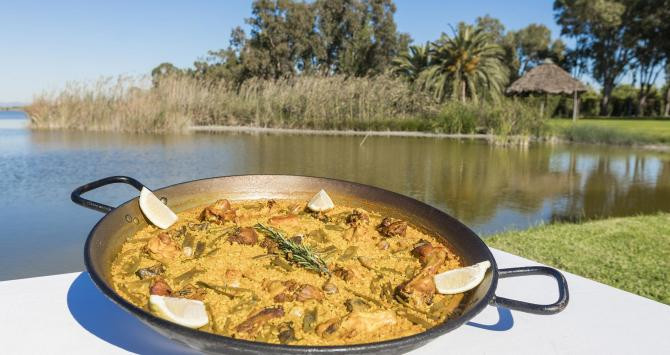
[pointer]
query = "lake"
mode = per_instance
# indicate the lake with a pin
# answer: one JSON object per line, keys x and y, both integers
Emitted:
{"x": 490, "y": 188}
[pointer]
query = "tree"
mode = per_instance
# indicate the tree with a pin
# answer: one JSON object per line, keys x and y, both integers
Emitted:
{"x": 647, "y": 37}
{"x": 412, "y": 64}
{"x": 358, "y": 37}
{"x": 282, "y": 39}
{"x": 467, "y": 65}
{"x": 532, "y": 45}
{"x": 599, "y": 27}
{"x": 163, "y": 70}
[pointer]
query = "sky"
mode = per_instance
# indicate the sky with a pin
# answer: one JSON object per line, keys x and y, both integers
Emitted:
{"x": 44, "y": 44}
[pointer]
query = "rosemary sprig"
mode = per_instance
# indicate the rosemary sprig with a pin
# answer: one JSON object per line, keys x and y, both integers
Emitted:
{"x": 299, "y": 254}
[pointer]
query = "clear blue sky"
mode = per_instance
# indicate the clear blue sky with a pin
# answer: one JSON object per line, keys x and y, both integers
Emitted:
{"x": 44, "y": 44}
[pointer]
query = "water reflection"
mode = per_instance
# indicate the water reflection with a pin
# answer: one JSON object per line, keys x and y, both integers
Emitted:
{"x": 487, "y": 187}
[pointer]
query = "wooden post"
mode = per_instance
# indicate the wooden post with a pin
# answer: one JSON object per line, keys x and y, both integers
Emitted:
{"x": 575, "y": 106}
{"x": 542, "y": 108}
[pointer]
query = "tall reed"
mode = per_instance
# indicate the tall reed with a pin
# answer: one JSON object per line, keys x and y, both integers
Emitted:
{"x": 335, "y": 102}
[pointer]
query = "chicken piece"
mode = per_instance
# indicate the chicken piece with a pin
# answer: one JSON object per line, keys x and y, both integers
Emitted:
{"x": 390, "y": 228}
{"x": 289, "y": 290}
{"x": 308, "y": 292}
{"x": 431, "y": 257}
{"x": 245, "y": 236}
{"x": 163, "y": 248}
{"x": 421, "y": 288}
{"x": 254, "y": 322}
{"x": 219, "y": 212}
{"x": 359, "y": 322}
{"x": 160, "y": 287}
{"x": 281, "y": 290}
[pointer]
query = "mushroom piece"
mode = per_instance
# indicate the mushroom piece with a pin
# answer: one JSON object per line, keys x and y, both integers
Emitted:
{"x": 254, "y": 322}
{"x": 286, "y": 333}
{"x": 149, "y": 272}
{"x": 245, "y": 236}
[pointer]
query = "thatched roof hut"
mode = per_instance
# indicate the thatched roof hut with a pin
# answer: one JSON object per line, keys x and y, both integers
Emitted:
{"x": 548, "y": 78}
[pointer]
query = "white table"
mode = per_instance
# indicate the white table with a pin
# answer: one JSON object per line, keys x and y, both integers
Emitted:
{"x": 66, "y": 314}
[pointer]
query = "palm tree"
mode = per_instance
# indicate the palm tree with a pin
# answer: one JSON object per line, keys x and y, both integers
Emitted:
{"x": 412, "y": 64}
{"x": 467, "y": 65}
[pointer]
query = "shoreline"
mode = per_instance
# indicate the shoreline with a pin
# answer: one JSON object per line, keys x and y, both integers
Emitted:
{"x": 327, "y": 132}
{"x": 491, "y": 138}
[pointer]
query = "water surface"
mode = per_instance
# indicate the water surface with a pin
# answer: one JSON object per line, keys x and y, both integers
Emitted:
{"x": 489, "y": 188}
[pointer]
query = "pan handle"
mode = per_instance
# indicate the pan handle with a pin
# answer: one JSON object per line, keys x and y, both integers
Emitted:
{"x": 76, "y": 194}
{"x": 559, "y": 305}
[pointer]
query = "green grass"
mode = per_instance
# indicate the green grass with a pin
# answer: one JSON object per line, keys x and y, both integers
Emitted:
{"x": 631, "y": 253}
{"x": 612, "y": 131}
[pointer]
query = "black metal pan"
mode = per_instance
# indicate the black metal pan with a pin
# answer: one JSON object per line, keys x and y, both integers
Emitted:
{"x": 105, "y": 240}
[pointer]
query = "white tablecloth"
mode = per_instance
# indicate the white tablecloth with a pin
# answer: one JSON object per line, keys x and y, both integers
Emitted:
{"x": 66, "y": 314}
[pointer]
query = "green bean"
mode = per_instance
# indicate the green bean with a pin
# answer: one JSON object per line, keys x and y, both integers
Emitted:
{"x": 188, "y": 275}
{"x": 212, "y": 252}
{"x": 393, "y": 271}
{"x": 226, "y": 232}
{"x": 367, "y": 298}
{"x": 348, "y": 253}
{"x": 409, "y": 306}
{"x": 335, "y": 227}
{"x": 262, "y": 256}
{"x": 245, "y": 304}
{"x": 229, "y": 291}
{"x": 309, "y": 320}
{"x": 409, "y": 272}
{"x": 280, "y": 262}
{"x": 415, "y": 319}
{"x": 319, "y": 235}
{"x": 327, "y": 250}
{"x": 367, "y": 263}
{"x": 199, "y": 249}
{"x": 131, "y": 266}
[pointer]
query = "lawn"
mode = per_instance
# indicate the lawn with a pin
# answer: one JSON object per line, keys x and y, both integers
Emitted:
{"x": 612, "y": 131}
{"x": 631, "y": 253}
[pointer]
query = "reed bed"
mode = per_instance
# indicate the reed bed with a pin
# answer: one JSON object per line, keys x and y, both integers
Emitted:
{"x": 316, "y": 102}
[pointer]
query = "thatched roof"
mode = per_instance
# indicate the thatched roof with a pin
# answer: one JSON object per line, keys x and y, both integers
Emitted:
{"x": 546, "y": 78}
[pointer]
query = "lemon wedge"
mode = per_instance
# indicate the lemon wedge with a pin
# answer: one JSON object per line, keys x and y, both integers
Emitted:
{"x": 320, "y": 202}
{"x": 461, "y": 279}
{"x": 183, "y": 311}
{"x": 155, "y": 210}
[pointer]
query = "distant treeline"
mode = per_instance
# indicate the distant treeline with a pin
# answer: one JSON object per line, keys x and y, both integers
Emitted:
{"x": 615, "y": 39}
{"x": 342, "y": 64}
